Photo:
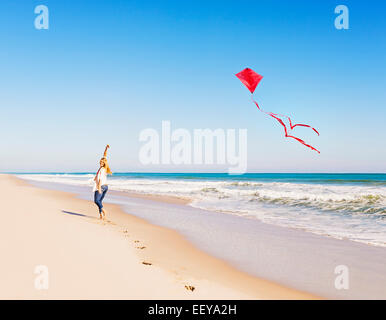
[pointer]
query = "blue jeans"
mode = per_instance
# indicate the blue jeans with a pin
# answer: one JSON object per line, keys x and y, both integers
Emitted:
{"x": 98, "y": 197}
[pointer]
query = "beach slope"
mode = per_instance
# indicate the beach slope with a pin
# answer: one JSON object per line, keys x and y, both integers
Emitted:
{"x": 54, "y": 246}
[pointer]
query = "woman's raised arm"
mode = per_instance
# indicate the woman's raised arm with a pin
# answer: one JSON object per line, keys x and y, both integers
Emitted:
{"x": 105, "y": 153}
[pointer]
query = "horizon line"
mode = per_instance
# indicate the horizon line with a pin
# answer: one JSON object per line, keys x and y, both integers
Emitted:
{"x": 155, "y": 172}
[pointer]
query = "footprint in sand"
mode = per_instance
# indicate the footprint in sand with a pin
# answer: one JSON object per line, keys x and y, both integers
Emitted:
{"x": 190, "y": 288}
{"x": 146, "y": 263}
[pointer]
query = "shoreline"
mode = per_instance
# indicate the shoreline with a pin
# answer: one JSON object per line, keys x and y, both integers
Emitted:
{"x": 170, "y": 254}
{"x": 290, "y": 257}
{"x": 321, "y": 205}
{"x": 160, "y": 198}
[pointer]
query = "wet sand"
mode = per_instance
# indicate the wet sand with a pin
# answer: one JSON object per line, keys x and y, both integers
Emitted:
{"x": 123, "y": 257}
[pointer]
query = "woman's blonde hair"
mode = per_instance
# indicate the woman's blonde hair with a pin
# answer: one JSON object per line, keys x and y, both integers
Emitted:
{"x": 106, "y": 166}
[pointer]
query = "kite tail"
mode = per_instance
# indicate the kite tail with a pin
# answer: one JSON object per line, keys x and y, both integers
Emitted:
{"x": 276, "y": 116}
{"x": 301, "y": 125}
{"x": 302, "y": 142}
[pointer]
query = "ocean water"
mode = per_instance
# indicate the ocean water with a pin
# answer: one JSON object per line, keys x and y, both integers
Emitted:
{"x": 344, "y": 206}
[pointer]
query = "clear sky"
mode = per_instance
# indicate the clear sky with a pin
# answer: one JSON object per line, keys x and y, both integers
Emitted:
{"x": 105, "y": 70}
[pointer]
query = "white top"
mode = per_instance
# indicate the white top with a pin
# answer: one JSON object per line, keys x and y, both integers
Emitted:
{"x": 101, "y": 177}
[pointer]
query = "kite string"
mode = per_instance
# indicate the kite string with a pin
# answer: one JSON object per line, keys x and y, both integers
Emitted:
{"x": 276, "y": 116}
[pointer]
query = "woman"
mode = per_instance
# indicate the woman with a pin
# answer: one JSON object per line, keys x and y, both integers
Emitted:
{"x": 100, "y": 183}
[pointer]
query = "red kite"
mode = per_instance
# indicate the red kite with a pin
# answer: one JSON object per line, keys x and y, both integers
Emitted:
{"x": 251, "y": 79}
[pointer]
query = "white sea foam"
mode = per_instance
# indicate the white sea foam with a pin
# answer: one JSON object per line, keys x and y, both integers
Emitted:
{"x": 355, "y": 212}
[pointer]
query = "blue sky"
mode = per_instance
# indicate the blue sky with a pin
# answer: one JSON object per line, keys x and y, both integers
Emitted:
{"x": 105, "y": 70}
